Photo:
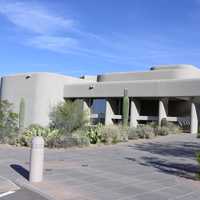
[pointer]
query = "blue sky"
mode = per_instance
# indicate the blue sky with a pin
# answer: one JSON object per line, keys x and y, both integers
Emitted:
{"x": 75, "y": 37}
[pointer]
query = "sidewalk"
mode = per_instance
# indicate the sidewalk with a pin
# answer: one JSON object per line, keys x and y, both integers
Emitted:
{"x": 163, "y": 168}
{"x": 7, "y": 185}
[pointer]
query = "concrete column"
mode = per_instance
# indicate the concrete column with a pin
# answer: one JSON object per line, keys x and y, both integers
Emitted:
{"x": 135, "y": 112}
{"x": 163, "y": 109}
{"x": 109, "y": 112}
{"x": 194, "y": 119}
{"x": 87, "y": 108}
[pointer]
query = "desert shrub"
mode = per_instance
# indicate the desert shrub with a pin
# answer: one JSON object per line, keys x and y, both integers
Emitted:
{"x": 68, "y": 116}
{"x": 162, "y": 131}
{"x": 94, "y": 133}
{"x": 63, "y": 141}
{"x": 198, "y": 160}
{"x": 132, "y": 133}
{"x": 52, "y": 137}
{"x": 173, "y": 128}
{"x": 111, "y": 134}
{"x": 81, "y": 138}
{"x": 123, "y": 132}
{"x": 170, "y": 128}
{"x": 145, "y": 131}
{"x": 33, "y": 130}
{"x": 164, "y": 122}
{"x": 8, "y": 123}
{"x": 77, "y": 139}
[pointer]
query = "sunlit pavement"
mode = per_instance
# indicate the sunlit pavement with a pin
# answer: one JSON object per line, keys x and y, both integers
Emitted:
{"x": 162, "y": 168}
{"x": 10, "y": 191}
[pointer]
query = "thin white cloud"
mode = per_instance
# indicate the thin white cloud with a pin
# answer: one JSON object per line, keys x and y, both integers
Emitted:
{"x": 34, "y": 18}
{"x": 50, "y": 31}
{"x": 53, "y": 43}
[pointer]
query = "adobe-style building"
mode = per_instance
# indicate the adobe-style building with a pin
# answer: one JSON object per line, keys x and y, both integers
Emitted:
{"x": 167, "y": 91}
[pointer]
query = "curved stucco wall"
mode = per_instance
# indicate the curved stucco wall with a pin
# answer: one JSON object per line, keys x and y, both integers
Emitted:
{"x": 41, "y": 92}
{"x": 157, "y": 73}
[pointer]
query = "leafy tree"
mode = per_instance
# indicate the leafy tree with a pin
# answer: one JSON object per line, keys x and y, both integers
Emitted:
{"x": 8, "y": 122}
{"x": 68, "y": 116}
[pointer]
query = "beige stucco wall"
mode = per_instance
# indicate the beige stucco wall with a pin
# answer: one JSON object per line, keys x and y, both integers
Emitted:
{"x": 156, "y": 73}
{"x": 41, "y": 92}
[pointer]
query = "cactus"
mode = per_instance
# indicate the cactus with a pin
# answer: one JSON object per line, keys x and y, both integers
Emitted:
{"x": 21, "y": 114}
{"x": 125, "y": 115}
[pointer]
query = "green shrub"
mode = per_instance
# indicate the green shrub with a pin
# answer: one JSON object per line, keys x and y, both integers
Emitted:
{"x": 132, "y": 133}
{"x": 146, "y": 131}
{"x": 123, "y": 132}
{"x": 164, "y": 122}
{"x": 111, "y": 134}
{"x": 68, "y": 117}
{"x": 52, "y": 137}
{"x": 63, "y": 141}
{"x": 125, "y": 114}
{"x": 170, "y": 128}
{"x": 94, "y": 133}
{"x": 162, "y": 131}
{"x": 81, "y": 138}
{"x": 77, "y": 139}
{"x": 8, "y": 123}
{"x": 198, "y": 160}
{"x": 33, "y": 130}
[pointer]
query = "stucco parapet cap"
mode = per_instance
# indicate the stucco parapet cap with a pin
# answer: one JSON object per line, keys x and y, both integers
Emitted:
{"x": 136, "y": 81}
{"x": 174, "y": 67}
{"x": 40, "y": 73}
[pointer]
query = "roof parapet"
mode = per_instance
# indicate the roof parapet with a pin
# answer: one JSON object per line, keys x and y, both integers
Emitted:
{"x": 173, "y": 67}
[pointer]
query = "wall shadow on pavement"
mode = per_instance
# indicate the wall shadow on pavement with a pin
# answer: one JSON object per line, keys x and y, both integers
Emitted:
{"x": 175, "y": 158}
{"x": 20, "y": 170}
{"x": 176, "y": 149}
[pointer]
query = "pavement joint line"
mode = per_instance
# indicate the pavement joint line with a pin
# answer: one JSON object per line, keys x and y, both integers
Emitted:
{"x": 181, "y": 196}
{"x": 138, "y": 182}
{"x": 6, "y": 193}
{"x": 33, "y": 188}
{"x": 94, "y": 185}
{"x": 149, "y": 192}
{"x": 9, "y": 181}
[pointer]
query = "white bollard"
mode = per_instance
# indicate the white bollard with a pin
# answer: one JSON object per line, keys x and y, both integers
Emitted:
{"x": 36, "y": 160}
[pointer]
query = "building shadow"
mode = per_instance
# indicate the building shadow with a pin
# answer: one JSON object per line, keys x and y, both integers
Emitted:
{"x": 175, "y": 158}
{"x": 20, "y": 170}
{"x": 176, "y": 149}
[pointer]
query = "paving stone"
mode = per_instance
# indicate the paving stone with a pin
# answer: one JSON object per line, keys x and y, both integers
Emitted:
{"x": 7, "y": 185}
{"x": 156, "y": 169}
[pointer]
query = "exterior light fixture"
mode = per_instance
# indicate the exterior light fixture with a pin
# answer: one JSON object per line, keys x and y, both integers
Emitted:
{"x": 91, "y": 87}
{"x": 27, "y": 77}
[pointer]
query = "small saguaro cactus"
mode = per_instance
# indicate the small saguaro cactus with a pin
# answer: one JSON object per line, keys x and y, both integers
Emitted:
{"x": 21, "y": 114}
{"x": 125, "y": 110}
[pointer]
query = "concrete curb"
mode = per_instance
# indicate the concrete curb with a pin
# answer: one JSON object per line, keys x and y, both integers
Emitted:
{"x": 29, "y": 186}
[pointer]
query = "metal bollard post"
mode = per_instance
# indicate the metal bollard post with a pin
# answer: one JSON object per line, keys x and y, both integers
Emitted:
{"x": 36, "y": 160}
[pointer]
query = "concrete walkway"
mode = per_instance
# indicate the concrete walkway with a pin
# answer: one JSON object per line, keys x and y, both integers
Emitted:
{"x": 7, "y": 185}
{"x": 163, "y": 168}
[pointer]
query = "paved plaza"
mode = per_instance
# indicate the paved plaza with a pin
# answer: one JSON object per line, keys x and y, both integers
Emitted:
{"x": 159, "y": 169}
